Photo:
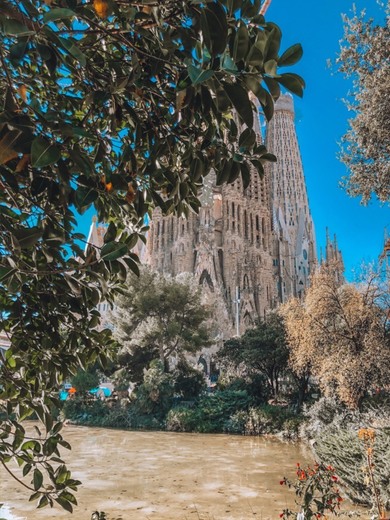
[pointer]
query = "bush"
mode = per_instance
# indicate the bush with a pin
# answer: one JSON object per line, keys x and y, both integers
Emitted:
{"x": 154, "y": 396}
{"x": 80, "y": 411}
{"x": 342, "y": 449}
{"x": 182, "y": 419}
{"x": 188, "y": 382}
{"x": 269, "y": 419}
{"x": 236, "y": 423}
{"x": 334, "y": 433}
{"x": 255, "y": 386}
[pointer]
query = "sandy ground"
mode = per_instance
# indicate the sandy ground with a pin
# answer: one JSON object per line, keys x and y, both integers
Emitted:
{"x": 159, "y": 475}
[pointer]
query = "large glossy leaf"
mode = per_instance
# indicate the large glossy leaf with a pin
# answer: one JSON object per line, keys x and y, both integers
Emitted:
{"x": 241, "y": 43}
{"x": 198, "y": 75}
{"x": 240, "y": 100}
{"x": 113, "y": 250}
{"x": 14, "y": 28}
{"x": 291, "y": 56}
{"x": 59, "y": 13}
{"x": 292, "y": 82}
{"x": 44, "y": 153}
{"x": 214, "y": 28}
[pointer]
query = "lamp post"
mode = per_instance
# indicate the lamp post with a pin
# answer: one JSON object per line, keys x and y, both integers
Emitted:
{"x": 237, "y": 302}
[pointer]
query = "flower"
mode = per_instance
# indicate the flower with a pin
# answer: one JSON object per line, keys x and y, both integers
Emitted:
{"x": 334, "y": 478}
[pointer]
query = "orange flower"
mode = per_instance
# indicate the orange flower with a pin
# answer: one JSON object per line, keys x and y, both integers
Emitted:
{"x": 101, "y": 8}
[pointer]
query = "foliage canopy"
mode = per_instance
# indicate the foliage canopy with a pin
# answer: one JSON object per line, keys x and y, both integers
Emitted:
{"x": 364, "y": 57}
{"x": 341, "y": 334}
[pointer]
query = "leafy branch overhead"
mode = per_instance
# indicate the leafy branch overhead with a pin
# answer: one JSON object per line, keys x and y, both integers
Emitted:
{"x": 120, "y": 106}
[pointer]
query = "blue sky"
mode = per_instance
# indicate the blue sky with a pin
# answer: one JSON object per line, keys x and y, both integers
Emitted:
{"x": 321, "y": 120}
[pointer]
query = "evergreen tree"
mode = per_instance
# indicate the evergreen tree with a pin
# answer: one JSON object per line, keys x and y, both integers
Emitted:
{"x": 262, "y": 349}
{"x": 161, "y": 314}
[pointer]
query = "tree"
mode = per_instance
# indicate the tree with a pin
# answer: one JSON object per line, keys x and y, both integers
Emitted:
{"x": 163, "y": 314}
{"x": 120, "y": 106}
{"x": 341, "y": 333}
{"x": 262, "y": 349}
{"x": 364, "y": 57}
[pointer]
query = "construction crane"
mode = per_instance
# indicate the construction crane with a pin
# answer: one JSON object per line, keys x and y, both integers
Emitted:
{"x": 265, "y": 6}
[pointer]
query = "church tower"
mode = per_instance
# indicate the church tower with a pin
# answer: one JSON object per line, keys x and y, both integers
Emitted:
{"x": 294, "y": 248}
{"x": 334, "y": 258}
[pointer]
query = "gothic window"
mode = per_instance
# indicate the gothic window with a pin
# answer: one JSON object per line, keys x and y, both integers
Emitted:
{"x": 251, "y": 228}
{"x": 227, "y": 215}
{"x": 245, "y": 224}
{"x": 246, "y": 282}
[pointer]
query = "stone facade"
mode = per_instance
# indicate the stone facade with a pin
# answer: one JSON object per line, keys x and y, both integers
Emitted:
{"x": 251, "y": 249}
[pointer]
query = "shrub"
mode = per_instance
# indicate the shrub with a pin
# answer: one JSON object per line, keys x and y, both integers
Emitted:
{"x": 80, "y": 411}
{"x": 154, "y": 396}
{"x": 236, "y": 423}
{"x": 269, "y": 419}
{"x": 255, "y": 386}
{"x": 182, "y": 419}
{"x": 188, "y": 382}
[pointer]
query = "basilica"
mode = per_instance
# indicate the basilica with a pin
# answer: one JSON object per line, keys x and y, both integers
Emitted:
{"x": 251, "y": 249}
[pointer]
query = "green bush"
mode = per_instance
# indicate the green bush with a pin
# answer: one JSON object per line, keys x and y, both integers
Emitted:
{"x": 154, "y": 396}
{"x": 188, "y": 382}
{"x": 270, "y": 419}
{"x": 80, "y": 411}
{"x": 182, "y": 419}
{"x": 236, "y": 423}
{"x": 255, "y": 386}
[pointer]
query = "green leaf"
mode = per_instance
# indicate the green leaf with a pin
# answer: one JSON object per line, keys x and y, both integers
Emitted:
{"x": 43, "y": 501}
{"x": 270, "y": 67}
{"x": 110, "y": 234}
{"x": 18, "y": 50}
{"x": 255, "y": 57}
{"x": 113, "y": 250}
{"x": 37, "y": 479}
{"x": 14, "y": 28}
{"x": 28, "y": 237}
{"x": 65, "y": 504}
{"x": 234, "y": 172}
{"x": 223, "y": 173}
{"x": 247, "y": 139}
{"x": 240, "y": 100}
{"x": 196, "y": 169}
{"x": 214, "y": 27}
{"x": 73, "y": 51}
{"x": 58, "y": 13}
{"x": 241, "y": 43}
{"x": 273, "y": 87}
{"x": 273, "y": 42}
{"x": 251, "y": 8}
{"x": 292, "y": 82}
{"x": 291, "y": 56}
{"x": 6, "y": 272}
{"x": 198, "y": 75}
{"x": 245, "y": 175}
{"x": 44, "y": 153}
{"x": 84, "y": 197}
